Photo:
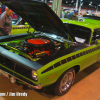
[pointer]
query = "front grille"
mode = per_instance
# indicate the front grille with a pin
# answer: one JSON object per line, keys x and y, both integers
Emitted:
{"x": 11, "y": 67}
{"x": 23, "y": 71}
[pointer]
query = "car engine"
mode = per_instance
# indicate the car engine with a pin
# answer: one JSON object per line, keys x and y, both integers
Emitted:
{"x": 37, "y": 47}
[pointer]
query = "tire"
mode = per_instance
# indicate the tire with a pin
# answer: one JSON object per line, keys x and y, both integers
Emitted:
{"x": 64, "y": 83}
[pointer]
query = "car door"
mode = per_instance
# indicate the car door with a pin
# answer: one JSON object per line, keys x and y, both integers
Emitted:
{"x": 95, "y": 38}
{"x": 89, "y": 52}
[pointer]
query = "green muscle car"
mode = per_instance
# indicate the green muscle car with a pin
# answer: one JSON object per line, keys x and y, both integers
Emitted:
{"x": 53, "y": 54}
{"x": 19, "y": 26}
{"x": 92, "y": 19}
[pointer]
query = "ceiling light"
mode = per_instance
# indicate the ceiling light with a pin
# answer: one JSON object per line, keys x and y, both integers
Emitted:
{"x": 72, "y": 1}
{"x": 50, "y": 1}
{"x": 66, "y": 1}
{"x": 82, "y": 4}
{"x": 90, "y": 3}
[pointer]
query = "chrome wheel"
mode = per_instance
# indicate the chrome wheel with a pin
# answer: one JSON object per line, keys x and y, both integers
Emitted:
{"x": 64, "y": 83}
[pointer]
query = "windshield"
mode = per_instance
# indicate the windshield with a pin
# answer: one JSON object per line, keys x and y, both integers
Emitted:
{"x": 15, "y": 19}
{"x": 81, "y": 34}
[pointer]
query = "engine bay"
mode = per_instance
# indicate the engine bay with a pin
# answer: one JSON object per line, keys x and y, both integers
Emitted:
{"x": 35, "y": 47}
{"x": 38, "y": 47}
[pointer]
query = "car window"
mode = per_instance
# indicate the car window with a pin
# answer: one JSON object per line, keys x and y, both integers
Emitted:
{"x": 17, "y": 20}
{"x": 96, "y": 35}
{"x": 81, "y": 34}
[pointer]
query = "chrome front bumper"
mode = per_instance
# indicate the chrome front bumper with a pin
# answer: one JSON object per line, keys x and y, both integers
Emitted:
{"x": 39, "y": 86}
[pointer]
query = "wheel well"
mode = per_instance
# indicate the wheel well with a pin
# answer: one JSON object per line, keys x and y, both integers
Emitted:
{"x": 77, "y": 68}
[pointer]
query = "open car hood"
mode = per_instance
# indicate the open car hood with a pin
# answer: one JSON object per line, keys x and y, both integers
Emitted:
{"x": 39, "y": 15}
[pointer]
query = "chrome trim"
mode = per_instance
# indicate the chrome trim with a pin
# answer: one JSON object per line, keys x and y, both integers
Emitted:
{"x": 35, "y": 87}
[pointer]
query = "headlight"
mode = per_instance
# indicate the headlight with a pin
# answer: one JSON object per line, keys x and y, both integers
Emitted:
{"x": 34, "y": 75}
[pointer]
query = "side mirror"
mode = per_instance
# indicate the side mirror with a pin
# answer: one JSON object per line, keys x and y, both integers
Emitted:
{"x": 26, "y": 23}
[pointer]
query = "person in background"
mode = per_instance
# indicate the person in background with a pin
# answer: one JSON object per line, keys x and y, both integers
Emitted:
{"x": 66, "y": 14}
{"x": 73, "y": 15}
{"x": 62, "y": 13}
{"x": 6, "y": 22}
{"x": 80, "y": 15}
{"x": 70, "y": 14}
{"x": 87, "y": 13}
{"x": 3, "y": 8}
